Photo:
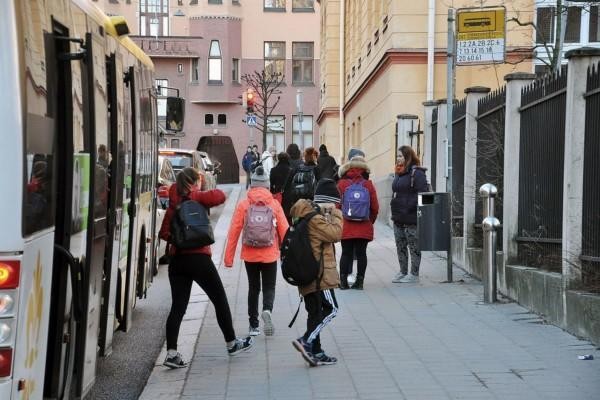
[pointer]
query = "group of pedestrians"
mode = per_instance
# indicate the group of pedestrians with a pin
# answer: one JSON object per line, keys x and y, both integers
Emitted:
{"x": 336, "y": 203}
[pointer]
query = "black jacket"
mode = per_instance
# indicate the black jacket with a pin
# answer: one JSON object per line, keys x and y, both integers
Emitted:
{"x": 279, "y": 175}
{"x": 406, "y": 187}
{"x": 289, "y": 197}
{"x": 327, "y": 166}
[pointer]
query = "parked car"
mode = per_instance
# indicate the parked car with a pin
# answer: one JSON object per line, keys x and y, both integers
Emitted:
{"x": 209, "y": 165}
{"x": 182, "y": 158}
{"x": 166, "y": 177}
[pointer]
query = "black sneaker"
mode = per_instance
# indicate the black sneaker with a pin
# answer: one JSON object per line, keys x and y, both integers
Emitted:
{"x": 241, "y": 345}
{"x": 323, "y": 359}
{"x": 305, "y": 350}
{"x": 175, "y": 361}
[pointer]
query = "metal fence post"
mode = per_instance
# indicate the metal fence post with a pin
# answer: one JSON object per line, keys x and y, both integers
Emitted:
{"x": 490, "y": 226}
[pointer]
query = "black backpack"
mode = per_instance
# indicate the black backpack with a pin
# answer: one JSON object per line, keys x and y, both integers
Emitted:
{"x": 299, "y": 266}
{"x": 304, "y": 182}
{"x": 190, "y": 226}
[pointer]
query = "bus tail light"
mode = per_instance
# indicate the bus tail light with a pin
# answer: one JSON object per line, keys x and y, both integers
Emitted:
{"x": 9, "y": 274}
{"x": 6, "y": 304}
{"x": 5, "y": 362}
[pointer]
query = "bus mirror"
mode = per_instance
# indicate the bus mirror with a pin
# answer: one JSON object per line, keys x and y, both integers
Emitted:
{"x": 175, "y": 113}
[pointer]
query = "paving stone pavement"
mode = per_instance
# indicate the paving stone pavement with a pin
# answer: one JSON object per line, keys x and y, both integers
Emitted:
{"x": 429, "y": 340}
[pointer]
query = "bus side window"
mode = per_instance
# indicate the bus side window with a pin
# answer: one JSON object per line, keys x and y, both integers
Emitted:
{"x": 38, "y": 209}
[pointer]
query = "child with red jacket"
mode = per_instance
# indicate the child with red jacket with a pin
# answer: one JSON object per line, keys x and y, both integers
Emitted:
{"x": 262, "y": 223}
{"x": 356, "y": 234}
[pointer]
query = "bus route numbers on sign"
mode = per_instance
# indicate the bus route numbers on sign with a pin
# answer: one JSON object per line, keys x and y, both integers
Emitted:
{"x": 480, "y": 36}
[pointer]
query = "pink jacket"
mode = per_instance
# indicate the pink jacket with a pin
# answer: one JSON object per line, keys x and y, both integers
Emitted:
{"x": 254, "y": 254}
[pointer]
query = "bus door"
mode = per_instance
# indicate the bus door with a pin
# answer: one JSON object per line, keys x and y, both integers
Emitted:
{"x": 128, "y": 269}
{"x": 115, "y": 201}
{"x": 72, "y": 171}
{"x": 97, "y": 133}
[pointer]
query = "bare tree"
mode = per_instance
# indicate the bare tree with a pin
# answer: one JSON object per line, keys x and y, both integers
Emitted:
{"x": 552, "y": 50}
{"x": 265, "y": 86}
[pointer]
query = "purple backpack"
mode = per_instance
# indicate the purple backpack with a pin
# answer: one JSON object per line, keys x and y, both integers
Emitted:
{"x": 356, "y": 202}
{"x": 259, "y": 229}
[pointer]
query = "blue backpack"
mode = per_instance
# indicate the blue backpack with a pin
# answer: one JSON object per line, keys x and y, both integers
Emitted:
{"x": 356, "y": 202}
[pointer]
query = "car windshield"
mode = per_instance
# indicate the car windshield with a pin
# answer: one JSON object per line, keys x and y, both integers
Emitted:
{"x": 180, "y": 161}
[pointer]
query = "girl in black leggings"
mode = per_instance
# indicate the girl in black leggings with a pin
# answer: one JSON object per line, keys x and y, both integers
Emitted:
{"x": 196, "y": 265}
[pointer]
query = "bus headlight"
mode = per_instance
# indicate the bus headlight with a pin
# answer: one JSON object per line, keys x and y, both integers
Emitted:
{"x": 4, "y": 333}
{"x": 6, "y": 304}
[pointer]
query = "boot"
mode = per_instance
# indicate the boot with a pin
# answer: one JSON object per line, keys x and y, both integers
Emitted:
{"x": 358, "y": 283}
{"x": 344, "y": 282}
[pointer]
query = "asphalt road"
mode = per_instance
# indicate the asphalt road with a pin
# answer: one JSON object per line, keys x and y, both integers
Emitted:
{"x": 123, "y": 374}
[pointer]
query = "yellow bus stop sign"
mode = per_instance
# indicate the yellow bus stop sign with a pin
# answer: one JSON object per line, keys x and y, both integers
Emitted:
{"x": 480, "y": 36}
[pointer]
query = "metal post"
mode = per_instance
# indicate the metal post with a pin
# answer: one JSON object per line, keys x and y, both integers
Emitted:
{"x": 449, "y": 105}
{"x": 300, "y": 116}
{"x": 490, "y": 227}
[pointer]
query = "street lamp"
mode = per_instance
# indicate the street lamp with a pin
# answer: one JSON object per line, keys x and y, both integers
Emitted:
{"x": 299, "y": 109}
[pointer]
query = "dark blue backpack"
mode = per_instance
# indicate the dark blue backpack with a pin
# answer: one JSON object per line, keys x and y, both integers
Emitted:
{"x": 190, "y": 226}
{"x": 356, "y": 202}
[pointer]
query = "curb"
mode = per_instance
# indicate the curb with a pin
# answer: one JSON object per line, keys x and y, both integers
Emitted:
{"x": 165, "y": 383}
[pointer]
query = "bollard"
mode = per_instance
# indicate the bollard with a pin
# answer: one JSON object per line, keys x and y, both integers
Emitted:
{"x": 490, "y": 226}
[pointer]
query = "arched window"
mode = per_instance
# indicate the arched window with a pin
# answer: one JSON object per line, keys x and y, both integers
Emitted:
{"x": 215, "y": 63}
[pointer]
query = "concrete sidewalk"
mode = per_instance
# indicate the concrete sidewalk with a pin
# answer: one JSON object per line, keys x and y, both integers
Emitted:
{"x": 394, "y": 341}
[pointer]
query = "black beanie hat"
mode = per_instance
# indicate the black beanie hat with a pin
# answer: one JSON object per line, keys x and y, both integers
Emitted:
{"x": 326, "y": 191}
{"x": 322, "y": 148}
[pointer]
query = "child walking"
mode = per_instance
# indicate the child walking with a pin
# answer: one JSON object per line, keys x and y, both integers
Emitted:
{"x": 262, "y": 223}
{"x": 324, "y": 229}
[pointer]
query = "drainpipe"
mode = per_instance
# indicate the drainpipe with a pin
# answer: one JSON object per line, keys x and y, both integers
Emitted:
{"x": 342, "y": 80}
{"x": 430, "y": 49}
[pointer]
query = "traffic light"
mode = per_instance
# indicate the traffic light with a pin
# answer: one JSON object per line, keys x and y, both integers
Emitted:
{"x": 250, "y": 101}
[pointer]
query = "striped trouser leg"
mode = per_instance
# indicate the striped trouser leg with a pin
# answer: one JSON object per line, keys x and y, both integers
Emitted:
{"x": 329, "y": 308}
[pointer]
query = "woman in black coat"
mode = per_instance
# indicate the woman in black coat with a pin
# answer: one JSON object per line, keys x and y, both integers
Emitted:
{"x": 409, "y": 181}
{"x": 279, "y": 175}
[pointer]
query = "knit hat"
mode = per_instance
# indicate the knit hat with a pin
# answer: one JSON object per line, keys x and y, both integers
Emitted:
{"x": 259, "y": 178}
{"x": 322, "y": 148}
{"x": 353, "y": 152}
{"x": 326, "y": 191}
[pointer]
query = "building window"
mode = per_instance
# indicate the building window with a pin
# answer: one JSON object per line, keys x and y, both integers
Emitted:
{"x": 274, "y": 5}
{"x": 209, "y": 119}
{"x": 222, "y": 119}
{"x": 572, "y": 34}
{"x": 180, "y": 68}
{"x": 154, "y": 17}
{"x": 303, "y": 5}
{"x": 195, "y": 69}
{"x": 276, "y": 132}
{"x": 545, "y": 25}
{"x": 215, "y": 63}
{"x": 235, "y": 70}
{"x": 307, "y": 131}
{"x": 215, "y": 1}
{"x": 175, "y": 143}
{"x": 275, "y": 58}
{"x": 595, "y": 24}
{"x": 179, "y": 2}
{"x": 302, "y": 62}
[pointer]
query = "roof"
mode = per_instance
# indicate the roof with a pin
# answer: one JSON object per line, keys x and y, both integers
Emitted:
{"x": 109, "y": 27}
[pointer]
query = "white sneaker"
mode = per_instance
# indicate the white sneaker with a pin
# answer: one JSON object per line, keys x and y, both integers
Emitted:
{"x": 409, "y": 279}
{"x": 268, "y": 323}
{"x": 253, "y": 331}
{"x": 398, "y": 278}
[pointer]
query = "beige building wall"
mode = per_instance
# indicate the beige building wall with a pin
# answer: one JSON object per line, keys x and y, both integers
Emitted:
{"x": 385, "y": 68}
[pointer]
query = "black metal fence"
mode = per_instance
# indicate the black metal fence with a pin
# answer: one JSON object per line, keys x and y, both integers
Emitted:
{"x": 434, "y": 143}
{"x": 543, "y": 105}
{"x": 458, "y": 166}
{"x": 590, "y": 251}
{"x": 491, "y": 111}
